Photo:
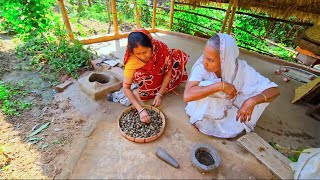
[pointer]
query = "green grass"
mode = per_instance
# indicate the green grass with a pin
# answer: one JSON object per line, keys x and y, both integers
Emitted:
{"x": 11, "y": 96}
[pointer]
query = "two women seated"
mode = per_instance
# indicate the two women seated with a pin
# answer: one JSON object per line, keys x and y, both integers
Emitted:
{"x": 225, "y": 95}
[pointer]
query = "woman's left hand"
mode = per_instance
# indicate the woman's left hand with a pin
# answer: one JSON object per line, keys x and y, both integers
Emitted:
{"x": 245, "y": 112}
{"x": 157, "y": 101}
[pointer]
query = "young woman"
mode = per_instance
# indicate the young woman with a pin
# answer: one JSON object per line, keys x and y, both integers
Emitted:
{"x": 154, "y": 67}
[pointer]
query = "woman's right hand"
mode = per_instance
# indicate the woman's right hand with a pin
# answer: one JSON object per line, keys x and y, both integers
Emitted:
{"x": 229, "y": 89}
{"x": 144, "y": 116}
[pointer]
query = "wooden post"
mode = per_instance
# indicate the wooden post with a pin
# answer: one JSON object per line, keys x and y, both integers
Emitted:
{"x": 171, "y": 14}
{"x": 66, "y": 19}
{"x": 154, "y": 14}
{"x": 115, "y": 19}
{"x": 137, "y": 14}
{"x": 234, "y": 9}
{"x": 227, "y": 16}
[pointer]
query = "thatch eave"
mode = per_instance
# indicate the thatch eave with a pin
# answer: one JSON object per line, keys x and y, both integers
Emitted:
{"x": 304, "y": 10}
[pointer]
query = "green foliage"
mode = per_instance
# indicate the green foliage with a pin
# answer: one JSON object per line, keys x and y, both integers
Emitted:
{"x": 41, "y": 128}
{"x": 97, "y": 11}
{"x": 249, "y": 31}
{"x": 163, "y": 16}
{"x": 146, "y": 13}
{"x": 46, "y": 44}
{"x": 199, "y": 24}
{"x": 126, "y": 9}
{"x": 293, "y": 155}
{"x": 27, "y": 18}
{"x": 6, "y": 168}
{"x": 55, "y": 55}
{"x": 10, "y": 98}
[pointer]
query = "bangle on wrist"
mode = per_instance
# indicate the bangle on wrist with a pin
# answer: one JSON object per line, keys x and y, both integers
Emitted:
{"x": 265, "y": 97}
{"x": 141, "y": 110}
{"x": 159, "y": 94}
{"x": 222, "y": 85}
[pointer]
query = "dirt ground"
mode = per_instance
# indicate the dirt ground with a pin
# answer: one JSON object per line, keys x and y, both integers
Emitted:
{"x": 45, "y": 158}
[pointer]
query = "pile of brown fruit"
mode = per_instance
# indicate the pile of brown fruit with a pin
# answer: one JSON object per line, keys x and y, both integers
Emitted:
{"x": 131, "y": 125}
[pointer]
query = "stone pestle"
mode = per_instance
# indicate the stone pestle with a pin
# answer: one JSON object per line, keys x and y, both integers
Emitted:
{"x": 165, "y": 156}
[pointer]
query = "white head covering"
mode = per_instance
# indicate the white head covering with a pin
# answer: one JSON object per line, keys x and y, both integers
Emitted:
{"x": 229, "y": 53}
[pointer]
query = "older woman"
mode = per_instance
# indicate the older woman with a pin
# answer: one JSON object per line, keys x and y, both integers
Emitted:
{"x": 154, "y": 67}
{"x": 224, "y": 94}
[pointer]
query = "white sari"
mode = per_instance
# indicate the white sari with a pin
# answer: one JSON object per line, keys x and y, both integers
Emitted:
{"x": 215, "y": 115}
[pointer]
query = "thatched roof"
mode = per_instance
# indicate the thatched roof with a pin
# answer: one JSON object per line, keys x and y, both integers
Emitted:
{"x": 305, "y": 10}
{"x": 310, "y": 39}
{"x": 313, "y": 34}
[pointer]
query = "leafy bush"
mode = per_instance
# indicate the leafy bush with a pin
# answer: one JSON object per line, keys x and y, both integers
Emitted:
{"x": 26, "y": 18}
{"x": 55, "y": 55}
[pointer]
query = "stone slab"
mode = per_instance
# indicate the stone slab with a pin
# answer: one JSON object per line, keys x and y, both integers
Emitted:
{"x": 90, "y": 84}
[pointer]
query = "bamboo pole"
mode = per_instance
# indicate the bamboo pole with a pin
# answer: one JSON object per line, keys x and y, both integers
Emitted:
{"x": 234, "y": 9}
{"x": 268, "y": 40}
{"x": 66, "y": 19}
{"x": 98, "y": 39}
{"x": 249, "y": 14}
{"x": 171, "y": 13}
{"x": 227, "y": 16}
{"x": 154, "y": 14}
{"x": 115, "y": 19}
{"x": 104, "y": 38}
{"x": 137, "y": 14}
{"x": 182, "y": 20}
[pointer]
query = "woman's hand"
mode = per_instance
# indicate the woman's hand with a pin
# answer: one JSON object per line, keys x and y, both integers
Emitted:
{"x": 245, "y": 112}
{"x": 229, "y": 89}
{"x": 157, "y": 101}
{"x": 144, "y": 116}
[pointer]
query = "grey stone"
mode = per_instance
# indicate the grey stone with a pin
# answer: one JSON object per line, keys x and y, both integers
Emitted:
{"x": 206, "y": 150}
{"x": 165, "y": 156}
{"x": 98, "y": 84}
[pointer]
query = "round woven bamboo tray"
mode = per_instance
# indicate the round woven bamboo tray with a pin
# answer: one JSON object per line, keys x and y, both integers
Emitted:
{"x": 143, "y": 140}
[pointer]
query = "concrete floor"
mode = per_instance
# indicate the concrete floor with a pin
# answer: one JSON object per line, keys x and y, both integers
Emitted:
{"x": 108, "y": 155}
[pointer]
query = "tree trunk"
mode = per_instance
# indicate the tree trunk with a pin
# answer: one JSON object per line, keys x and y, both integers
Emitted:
{"x": 79, "y": 6}
{"x": 108, "y": 11}
{"x": 89, "y": 3}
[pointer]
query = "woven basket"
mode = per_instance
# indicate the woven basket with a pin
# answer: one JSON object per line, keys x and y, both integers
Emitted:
{"x": 143, "y": 140}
